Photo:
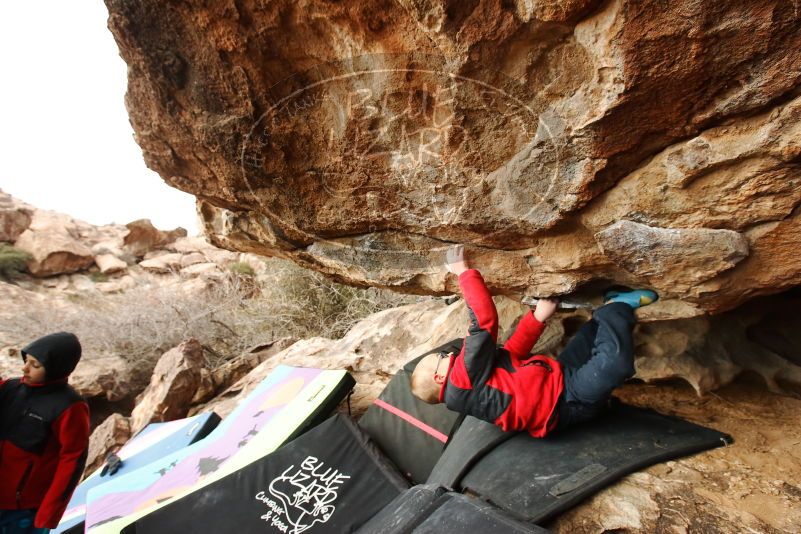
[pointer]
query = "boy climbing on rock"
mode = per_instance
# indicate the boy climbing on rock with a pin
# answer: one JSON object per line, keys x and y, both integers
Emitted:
{"x": 507, "y": 386}
{"x": 44, "y": 436}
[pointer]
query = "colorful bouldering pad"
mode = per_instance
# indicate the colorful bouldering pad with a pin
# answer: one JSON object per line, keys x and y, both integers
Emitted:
{"x": 154, "y": 441}
{"x": 285, "y": 404}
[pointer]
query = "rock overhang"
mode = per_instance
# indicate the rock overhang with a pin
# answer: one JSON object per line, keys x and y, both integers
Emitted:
{"x": 568, "y": 144}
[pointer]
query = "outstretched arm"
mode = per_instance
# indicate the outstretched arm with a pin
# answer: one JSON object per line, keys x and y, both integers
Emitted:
{"x": 530, "y": 328}
{"x": 479, "y": 346}
{"x": 483, "y": 315}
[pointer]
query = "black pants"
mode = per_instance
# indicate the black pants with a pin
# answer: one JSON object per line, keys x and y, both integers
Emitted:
{"x": 596, "y": 361}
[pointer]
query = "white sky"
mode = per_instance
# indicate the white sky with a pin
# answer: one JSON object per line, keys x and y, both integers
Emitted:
{"x": 65, "y": 140}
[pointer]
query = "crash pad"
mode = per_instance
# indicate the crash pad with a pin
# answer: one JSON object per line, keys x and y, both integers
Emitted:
{"x": 460, "y": 513}
{"x": 332, "y": 479}
{"x": 154, "y": 441}
{"x": 474, "y": 439}
{"x": 405, "y": 512}
{"x": 411, "y": 432}
{"x": 536, "y": 479}
{"x": 429, "y": 508}
{"x": 286, "y": 403}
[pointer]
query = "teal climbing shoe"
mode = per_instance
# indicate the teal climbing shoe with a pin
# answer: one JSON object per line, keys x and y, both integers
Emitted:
{"x": 634, "y": 298}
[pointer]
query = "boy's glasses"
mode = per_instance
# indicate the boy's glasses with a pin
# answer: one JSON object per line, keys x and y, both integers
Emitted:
{"x": 442, "y": 356}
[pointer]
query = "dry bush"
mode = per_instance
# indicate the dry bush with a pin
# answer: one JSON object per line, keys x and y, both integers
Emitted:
{"x": 228, "y": 318}
{"x": 12, "y": 261}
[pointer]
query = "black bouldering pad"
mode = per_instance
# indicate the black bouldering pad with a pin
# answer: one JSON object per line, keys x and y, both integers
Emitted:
{"x": 536, "y": 479}
{"x": 330, "y": 480}
{"x": 405, "y": 512}
{"x": 411, "y": 433}
{"x": 469, "y": 444}
{"x": 430, "y": 509}
{"x": 460, "y": 513}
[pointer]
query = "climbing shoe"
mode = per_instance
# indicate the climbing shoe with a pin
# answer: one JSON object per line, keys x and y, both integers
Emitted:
{"x": 634, "y": 298}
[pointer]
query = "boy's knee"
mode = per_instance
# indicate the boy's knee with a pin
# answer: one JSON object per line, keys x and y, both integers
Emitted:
{"x": 615, "y": 370}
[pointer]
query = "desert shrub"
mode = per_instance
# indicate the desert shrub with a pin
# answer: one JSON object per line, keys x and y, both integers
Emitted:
{"x": 98, "y": 277}
{"x": 229, "y": 317}
{"x": 12, "y": 261}
{"x": 241, "y": 268}
{"x": 305, "y": 303}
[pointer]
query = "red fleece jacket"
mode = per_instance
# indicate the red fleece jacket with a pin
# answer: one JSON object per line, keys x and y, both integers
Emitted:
{"x": 44, "y": 480}
{"x": 520, "y": 391}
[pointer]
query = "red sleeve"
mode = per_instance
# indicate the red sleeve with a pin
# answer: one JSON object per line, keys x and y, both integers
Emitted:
{"x": 525, "y": 336}
{"x": 483, "y": 315}
{"x": 72, "y": 431}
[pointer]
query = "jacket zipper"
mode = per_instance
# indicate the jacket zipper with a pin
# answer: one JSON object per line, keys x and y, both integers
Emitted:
{"x": 540, "y": 363}
{"x": 23, "y": 481}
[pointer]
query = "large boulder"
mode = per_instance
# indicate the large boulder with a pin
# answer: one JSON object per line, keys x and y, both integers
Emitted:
{"x": 358, "y": 138}
{"x": 143, "y": 237}
{"x": 54, "y": 242}
{"x": 109, "y": 377}
{"x": 164, "y": 263}
{"x": 175, "y": 381}
{"x": 108, "y": 437}
{"x": 109, "y": 263}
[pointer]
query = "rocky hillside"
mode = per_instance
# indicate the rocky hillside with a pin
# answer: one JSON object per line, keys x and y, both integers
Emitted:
{"x": 133, "y": 292}
{"x": 569, "y": 143}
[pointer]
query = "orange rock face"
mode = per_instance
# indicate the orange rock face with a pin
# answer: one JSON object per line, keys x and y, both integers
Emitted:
{"x": 570, "y": 144}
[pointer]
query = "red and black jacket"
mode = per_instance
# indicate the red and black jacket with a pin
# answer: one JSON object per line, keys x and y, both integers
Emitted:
{"x": 43, "y": 443}
{"x": 503, "y": 385}
{"x": 44, "y": 435}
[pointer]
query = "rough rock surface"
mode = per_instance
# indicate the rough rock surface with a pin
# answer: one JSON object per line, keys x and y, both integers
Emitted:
{"x": 110, "y": 376}
{"x": 108, "y": 437}
{"x": 15, "y": 217}
{"x": 54, "y": 243}
{"x": 109, "y": 263}
{"x": 164, "y": 263}
{"x": 358, "y": 138}
{"x": 142, "y": 237}
{"x": 176, "y": 379}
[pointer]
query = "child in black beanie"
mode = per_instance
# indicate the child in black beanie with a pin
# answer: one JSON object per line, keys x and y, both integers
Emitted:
{"x": 44, "y": 436}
